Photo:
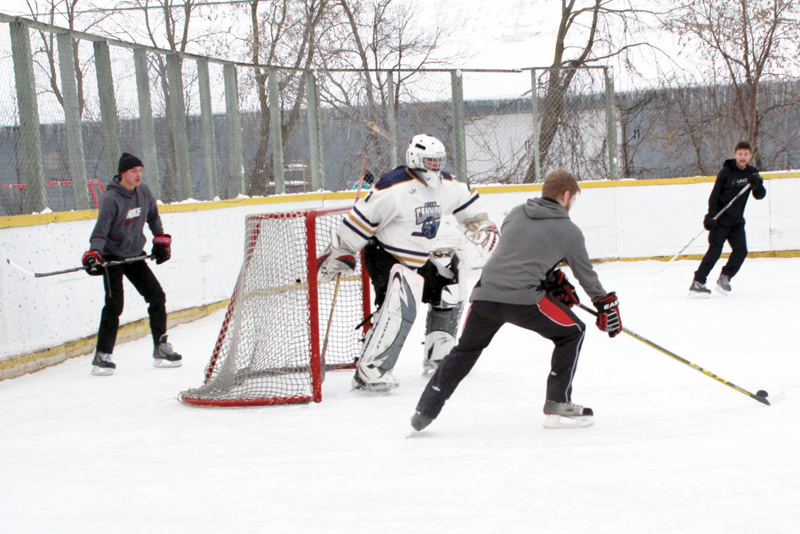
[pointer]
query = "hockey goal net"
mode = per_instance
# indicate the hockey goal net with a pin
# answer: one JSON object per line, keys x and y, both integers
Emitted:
{"x": 278, "y": 336}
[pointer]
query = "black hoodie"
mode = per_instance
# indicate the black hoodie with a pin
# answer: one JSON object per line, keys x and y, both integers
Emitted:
{"x": 730, "y": 180}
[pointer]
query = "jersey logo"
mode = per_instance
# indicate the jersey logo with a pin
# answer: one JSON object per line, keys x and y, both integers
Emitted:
{"x": 412, "y": 191}
{"x": 427, "y": 216}
{"x": 133, "y": 214}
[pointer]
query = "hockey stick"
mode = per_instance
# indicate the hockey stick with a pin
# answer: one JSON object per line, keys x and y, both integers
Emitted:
{"x": 760, "y": 396}
{"x": 339, "y": 275}
{"x": 74, "y": 269}
{"x": 728, "y": 205}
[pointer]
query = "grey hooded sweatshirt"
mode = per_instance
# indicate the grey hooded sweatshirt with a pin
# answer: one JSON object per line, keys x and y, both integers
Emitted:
{"x": 120, "y": 223}
{"x": 535, "y": 237}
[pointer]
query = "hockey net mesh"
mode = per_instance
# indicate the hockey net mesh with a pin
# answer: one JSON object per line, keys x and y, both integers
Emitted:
{"x": 269, "y": 347}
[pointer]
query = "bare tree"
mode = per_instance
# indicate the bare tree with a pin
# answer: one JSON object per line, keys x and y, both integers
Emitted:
{"x": 745, "y": 44}
{"x": 283, "y": 32}
{"x": 588, "y": 34}
{"x": 374, "y": 40}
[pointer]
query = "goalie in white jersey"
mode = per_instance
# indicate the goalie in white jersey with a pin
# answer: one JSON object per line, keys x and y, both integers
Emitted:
{"x": 396, "y": 225}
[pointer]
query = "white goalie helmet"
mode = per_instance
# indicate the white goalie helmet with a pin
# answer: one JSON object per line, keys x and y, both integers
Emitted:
{"x": 427, "y": 156}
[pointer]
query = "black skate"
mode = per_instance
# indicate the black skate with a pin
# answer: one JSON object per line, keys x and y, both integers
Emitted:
{"x": 419, "y": 421}
{"x": 165, "y": 356}
{"x": 102, "y": 364}
{"x": 567, "y": 415}
{"x": 724, "y": 284}
{"x": 699, "y": 291}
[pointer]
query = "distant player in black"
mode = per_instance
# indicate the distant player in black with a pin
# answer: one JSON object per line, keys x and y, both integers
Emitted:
{"x": 736, "y": 173}
{"x": 118, "y": 235}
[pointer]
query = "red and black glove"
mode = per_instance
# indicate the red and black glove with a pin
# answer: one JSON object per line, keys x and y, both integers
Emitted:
{"x": 93, "y": 261}
{"x": 608, "y": 319}
{"x": 559, "y": 288}
{"x": 162, "y": 248}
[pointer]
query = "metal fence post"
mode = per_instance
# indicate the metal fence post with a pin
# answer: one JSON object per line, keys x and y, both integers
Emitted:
{"x": 72, "y": 119}
{"x": 28, "y": 116}
{"x": 146, "y": 125}
{"x": 391, "y": 121}
{"x": 276, "y": 130}
{"x": 207, "y": 124}
{"x": 108, "y": 106}
{"x": 535, "y": 119}
{"x": 459, "y": 134}
{"x": 314, "y": 127}
{"x": 235, "y": 157}
{"x": 611, "y": 124}
{"x": 180, "y": 136}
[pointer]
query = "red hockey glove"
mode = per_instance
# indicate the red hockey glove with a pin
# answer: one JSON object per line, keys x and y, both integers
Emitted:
{"x": 162, "y": 247}
{"x": 559, "y": 288}
{"x": 608, "y": 319}
{"x": 93, "y": 261}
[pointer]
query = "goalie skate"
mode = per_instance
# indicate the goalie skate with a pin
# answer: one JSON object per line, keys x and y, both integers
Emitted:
{"x": 567, "y": 415}
{"x": 369, "y": 378}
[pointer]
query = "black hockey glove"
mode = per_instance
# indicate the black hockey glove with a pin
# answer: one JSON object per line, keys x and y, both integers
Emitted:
{"x": 755, "y": 181}
{"x": 709, "y": 222}
{"x": 162, "y": 248}
{"x": 608, "y": 319}
{"x": 93, "y": 261}
{"x": 559, "y": 288}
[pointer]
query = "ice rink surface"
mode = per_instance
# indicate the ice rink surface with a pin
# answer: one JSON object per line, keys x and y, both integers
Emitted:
{"x": 672, "y": 450}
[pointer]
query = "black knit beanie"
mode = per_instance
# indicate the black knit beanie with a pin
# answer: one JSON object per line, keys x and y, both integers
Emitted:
{"x": 127, "y": 162}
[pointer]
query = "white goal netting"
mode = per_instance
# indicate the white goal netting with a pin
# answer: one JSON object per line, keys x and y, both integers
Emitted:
{"x": 278, "y": 336}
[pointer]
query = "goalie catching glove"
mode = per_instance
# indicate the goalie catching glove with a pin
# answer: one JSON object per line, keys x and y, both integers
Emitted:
{"x": 608, "y": 319}
{"x": 334, "y": 260}
{"x": 559, "y": 288}
{"x": 483, "y": 233}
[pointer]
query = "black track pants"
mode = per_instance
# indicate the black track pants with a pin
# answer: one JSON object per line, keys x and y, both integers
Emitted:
{"x": 735, "y": 236}
{"x": 147, "y": 285}
{"x": 550, "y": 319}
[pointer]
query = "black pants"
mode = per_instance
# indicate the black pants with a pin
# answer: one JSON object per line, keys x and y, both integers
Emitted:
{"x": 146, "y": 284}
{"x": 737, "y": 239}
{"x": 550, "y": 319}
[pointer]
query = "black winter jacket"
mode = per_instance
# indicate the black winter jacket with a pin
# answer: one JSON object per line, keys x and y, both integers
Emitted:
{"x": 730, "y": 180}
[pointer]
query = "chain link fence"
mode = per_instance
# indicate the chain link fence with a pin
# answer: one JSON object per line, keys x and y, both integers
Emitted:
{"x": 207, "y": 128}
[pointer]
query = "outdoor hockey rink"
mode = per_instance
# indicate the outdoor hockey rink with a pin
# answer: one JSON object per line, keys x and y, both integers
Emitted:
{"x": 671, "y": 450}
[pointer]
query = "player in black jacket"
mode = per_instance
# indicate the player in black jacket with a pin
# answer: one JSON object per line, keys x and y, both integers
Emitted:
{"x": 736, "y": 173}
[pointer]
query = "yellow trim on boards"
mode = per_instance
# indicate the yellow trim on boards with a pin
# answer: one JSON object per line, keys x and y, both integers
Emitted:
{"x": 38, "y": 360}
{"x": 15, "y": 221}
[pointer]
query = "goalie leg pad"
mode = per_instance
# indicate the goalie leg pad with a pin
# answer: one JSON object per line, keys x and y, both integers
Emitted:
{"x": 385, "y": 339}
{"x": 441, "y": 328}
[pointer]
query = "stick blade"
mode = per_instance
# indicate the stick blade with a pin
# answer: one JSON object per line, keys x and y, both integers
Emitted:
{"x": 20, "y": 268}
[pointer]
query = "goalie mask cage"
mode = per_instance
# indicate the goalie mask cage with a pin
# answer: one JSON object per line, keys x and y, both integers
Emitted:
{"x": 273, "y": 338}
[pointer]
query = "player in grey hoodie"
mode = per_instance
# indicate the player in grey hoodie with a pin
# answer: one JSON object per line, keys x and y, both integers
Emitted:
{"x": 119, "y": 235}
{"x": 521, "y": 285}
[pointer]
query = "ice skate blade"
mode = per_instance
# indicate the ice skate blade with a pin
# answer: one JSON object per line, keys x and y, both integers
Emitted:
{"x": 162, "y": 363}
{"x": 698, "y": 295}
{"x": 102, "y": 371}
{"x": 560, "y": 421}
{"x": 721, "y": 291}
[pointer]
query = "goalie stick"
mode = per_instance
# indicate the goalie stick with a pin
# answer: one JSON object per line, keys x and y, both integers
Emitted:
{"x": 339, "y": 276}
{"x": 760, "y": 396}
{"x": 28, "y": 272}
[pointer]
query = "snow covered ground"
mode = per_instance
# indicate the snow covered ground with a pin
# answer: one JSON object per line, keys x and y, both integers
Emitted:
{"x": 672, "y": 450}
